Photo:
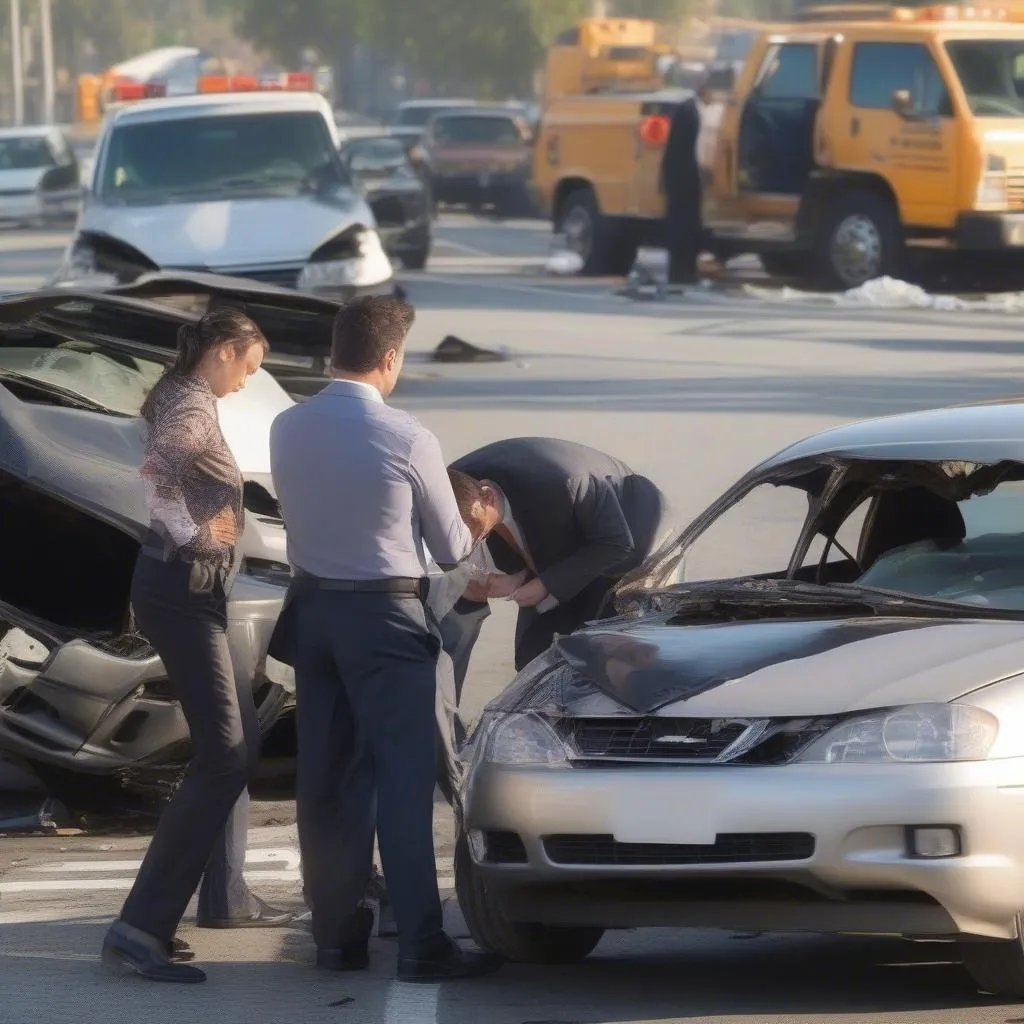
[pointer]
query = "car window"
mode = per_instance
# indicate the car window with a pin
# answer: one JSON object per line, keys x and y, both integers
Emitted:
{"x": 416, "y": 117}
{"x": 25, "y": 154}
{"x": 224, "y": 156}
{"x": 991, "y": 72}
{"x": 880, "y": 69}
{"x": 755, "y": 536}
{"x": 485, "y": 131}
{"x": 790, "y": 72}
{"x": 374, "y": 154}
{"x": 847, "y": 539}
{"x": 986, "y": 568}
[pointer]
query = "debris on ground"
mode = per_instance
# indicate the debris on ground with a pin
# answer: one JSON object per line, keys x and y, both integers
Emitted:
{"x": 562, "y": 261}
{"x": 456, "y": 350}
{"x": 891, "y": 293}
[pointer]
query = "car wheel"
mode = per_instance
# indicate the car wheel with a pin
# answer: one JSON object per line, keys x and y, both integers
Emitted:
{"x": 416, "y": 259}
{"x": 602, "y": 247}
{"x": 518, "y": 942}
{"x": 861, "y": 239}
{"x": 997, "y": 967}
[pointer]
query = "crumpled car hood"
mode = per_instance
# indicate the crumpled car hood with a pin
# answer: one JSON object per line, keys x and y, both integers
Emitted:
{"x": 232, "y": 233}
{"x": 793, "y": 667}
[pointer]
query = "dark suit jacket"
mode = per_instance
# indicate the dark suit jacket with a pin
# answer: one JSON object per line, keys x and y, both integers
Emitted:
{"x": 584, "y": 515}
{"x": 679, "y": 169}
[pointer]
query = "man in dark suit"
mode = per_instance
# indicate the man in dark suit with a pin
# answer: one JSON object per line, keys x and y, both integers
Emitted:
{"x": 681, "y": 184}
{"x": 563, "y": 523}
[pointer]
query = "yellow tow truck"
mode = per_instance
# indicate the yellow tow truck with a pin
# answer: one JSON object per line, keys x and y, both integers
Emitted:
{"x": 844, "y": 145}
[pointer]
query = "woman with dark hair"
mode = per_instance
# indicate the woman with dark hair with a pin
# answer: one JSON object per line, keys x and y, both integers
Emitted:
{"x": 179, "y": 594}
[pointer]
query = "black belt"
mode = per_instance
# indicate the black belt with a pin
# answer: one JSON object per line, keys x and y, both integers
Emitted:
{"x": 394, "y": 585}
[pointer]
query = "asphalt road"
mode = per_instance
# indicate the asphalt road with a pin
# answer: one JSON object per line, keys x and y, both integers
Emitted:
{"x": 692, "y": 391}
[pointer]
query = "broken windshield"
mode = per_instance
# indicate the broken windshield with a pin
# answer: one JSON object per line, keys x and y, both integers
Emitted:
{"x": 110, "y": 380}
{"x": 941, "y": 532}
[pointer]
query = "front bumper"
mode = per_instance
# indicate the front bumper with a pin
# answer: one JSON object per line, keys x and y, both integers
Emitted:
{"x": 459, "y": 187}
{"x": 833, "y": 844}
{"x": 990, "y": 232}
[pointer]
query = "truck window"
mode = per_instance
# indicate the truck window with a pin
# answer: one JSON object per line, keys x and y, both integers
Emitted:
{"x": 880, "y": 69}
{"x": 790, "y": 72}
{"x": 991, "y": 72}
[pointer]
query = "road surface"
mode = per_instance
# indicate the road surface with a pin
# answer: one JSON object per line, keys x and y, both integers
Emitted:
{"x": 692, "y": 391}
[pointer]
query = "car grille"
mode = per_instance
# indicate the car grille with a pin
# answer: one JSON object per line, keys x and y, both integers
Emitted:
{"x": 281, "y": 276}
{"x": 662, "y": 739}
{"x": 729, "y": 848}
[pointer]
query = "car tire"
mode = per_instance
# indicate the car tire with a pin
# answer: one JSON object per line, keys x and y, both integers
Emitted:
{"x": 416, "y": 259}
{"x": 997, "y": 967}
{"x": 604, "y": 248}
{"x": 514, "y": 940}
{"x": 861, "y": 239}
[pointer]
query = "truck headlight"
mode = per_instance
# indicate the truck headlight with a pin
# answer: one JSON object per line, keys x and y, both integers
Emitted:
{"x": 367, "y": 265}
{"x": 521, "y": 739}
{"x": 992, "y": 188}
{"x": 917, "y": 733}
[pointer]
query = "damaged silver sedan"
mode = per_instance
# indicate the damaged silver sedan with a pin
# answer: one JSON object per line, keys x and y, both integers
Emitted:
{"x": 81, "y": 690}
{"x": 825, "y": 733}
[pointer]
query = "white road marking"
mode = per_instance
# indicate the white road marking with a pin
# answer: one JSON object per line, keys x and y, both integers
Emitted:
{"x": 47, "y": 917}
{"x": 289, "y": 856}
{"x": 411, "y": 1004}
{"x": 469, "y": 250}
{"x": 525, "y": 289}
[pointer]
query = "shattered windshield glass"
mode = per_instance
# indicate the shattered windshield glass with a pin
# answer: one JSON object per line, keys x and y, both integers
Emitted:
{"x": 111, "y": 380}
{"x": 940, "y": 532}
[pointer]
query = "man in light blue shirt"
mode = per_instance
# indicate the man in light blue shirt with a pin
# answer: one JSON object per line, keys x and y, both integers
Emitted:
{"x": 364, "y": 491}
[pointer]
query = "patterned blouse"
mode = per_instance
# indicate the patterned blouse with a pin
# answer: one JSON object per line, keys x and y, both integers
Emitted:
{"x": 190, "y": 473}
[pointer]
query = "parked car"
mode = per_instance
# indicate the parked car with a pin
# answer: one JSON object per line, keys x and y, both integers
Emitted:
{"x": 81, "y": 690}
{"x": 39, "y": 176}
{"x": 480, "y": 158}
{"x": 399, "y": 197}
{"x": 818, "y": 728}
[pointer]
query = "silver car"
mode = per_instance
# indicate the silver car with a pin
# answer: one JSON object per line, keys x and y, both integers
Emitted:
{"x": 39, "y": 176}
{"x": 824, "y": 732}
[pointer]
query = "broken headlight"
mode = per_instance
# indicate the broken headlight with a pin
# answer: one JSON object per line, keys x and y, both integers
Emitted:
{"x": 356, "y": 260}
{"x": 100, "y": 261}
{"x": 917, "y": 733}
{"x": 520, "y": 739}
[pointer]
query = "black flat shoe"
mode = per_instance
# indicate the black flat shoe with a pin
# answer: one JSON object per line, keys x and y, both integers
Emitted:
{"x": 354, "y": 954}
{"x": 264, "y": 916}
{"x": 128, "y": 949}
{"x": 448, "y": 963}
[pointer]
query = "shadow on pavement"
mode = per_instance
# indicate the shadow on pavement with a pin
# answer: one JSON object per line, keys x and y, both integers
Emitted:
{"x": 51, "y": 973}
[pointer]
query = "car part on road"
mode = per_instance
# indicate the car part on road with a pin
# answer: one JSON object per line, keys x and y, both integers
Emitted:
{"x": 455, "y": 350}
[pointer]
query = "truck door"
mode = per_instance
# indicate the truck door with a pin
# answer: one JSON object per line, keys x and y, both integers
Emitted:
{"x": 892, "y": 116}
{"x": 773, "y": 153}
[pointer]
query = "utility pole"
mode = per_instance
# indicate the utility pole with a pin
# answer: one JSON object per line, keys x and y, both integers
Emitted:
{"x": 46, "y": 29}
{"x": 17, "y": 70}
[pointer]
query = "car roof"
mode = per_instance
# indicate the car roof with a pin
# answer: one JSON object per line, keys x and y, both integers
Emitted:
{"x": 481, "y": 111}
{"x": 222, "y": 105}
{"x": 413, "y": 104}
{"x": 984, "y": 432}
{"x": 29, "y": 131}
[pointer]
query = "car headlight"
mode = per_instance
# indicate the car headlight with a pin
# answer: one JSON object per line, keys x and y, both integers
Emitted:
{"x": 520, "y": 739}
{"x": 81, "y": 266}
{"x": 100, "y": 261}
{"x": 917, "y": 733}
{"x": 368, "y": 265}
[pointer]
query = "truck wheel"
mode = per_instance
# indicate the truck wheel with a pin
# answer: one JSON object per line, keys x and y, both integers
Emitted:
{"x": 520, "y": 943}
{"x": 594, "y": 237}
{"x": 997, "y": 967}
{"x": 861, "y": 239}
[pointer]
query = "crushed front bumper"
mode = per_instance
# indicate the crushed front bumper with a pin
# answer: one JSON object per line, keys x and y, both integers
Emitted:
{"x": 800, "y": 847}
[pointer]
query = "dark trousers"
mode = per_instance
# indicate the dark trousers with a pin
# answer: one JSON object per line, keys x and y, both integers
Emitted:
{"x": 367, "y": 731}
{"x": 182, "y": 610}
{"x": 684, "y": 229}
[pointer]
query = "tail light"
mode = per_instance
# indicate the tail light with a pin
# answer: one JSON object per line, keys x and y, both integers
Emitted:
{"x": 125, "y": 91}
{"x": 654, "y": 130}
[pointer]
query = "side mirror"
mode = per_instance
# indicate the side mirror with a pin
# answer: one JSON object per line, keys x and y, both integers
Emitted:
{"x": 903, "y": 104}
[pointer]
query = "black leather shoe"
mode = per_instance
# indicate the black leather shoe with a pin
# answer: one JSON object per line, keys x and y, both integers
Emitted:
{"x": 128, "y": 949}
{"x": 264, "y": 916}
{"x": 353, "y": 955}
{"x": 448, "y": 963}
{"x": 181, "y": 951}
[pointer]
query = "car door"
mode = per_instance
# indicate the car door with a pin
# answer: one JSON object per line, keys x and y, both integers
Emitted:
{"x": 913, "y": 150}
{"x": 774, "y": 149}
